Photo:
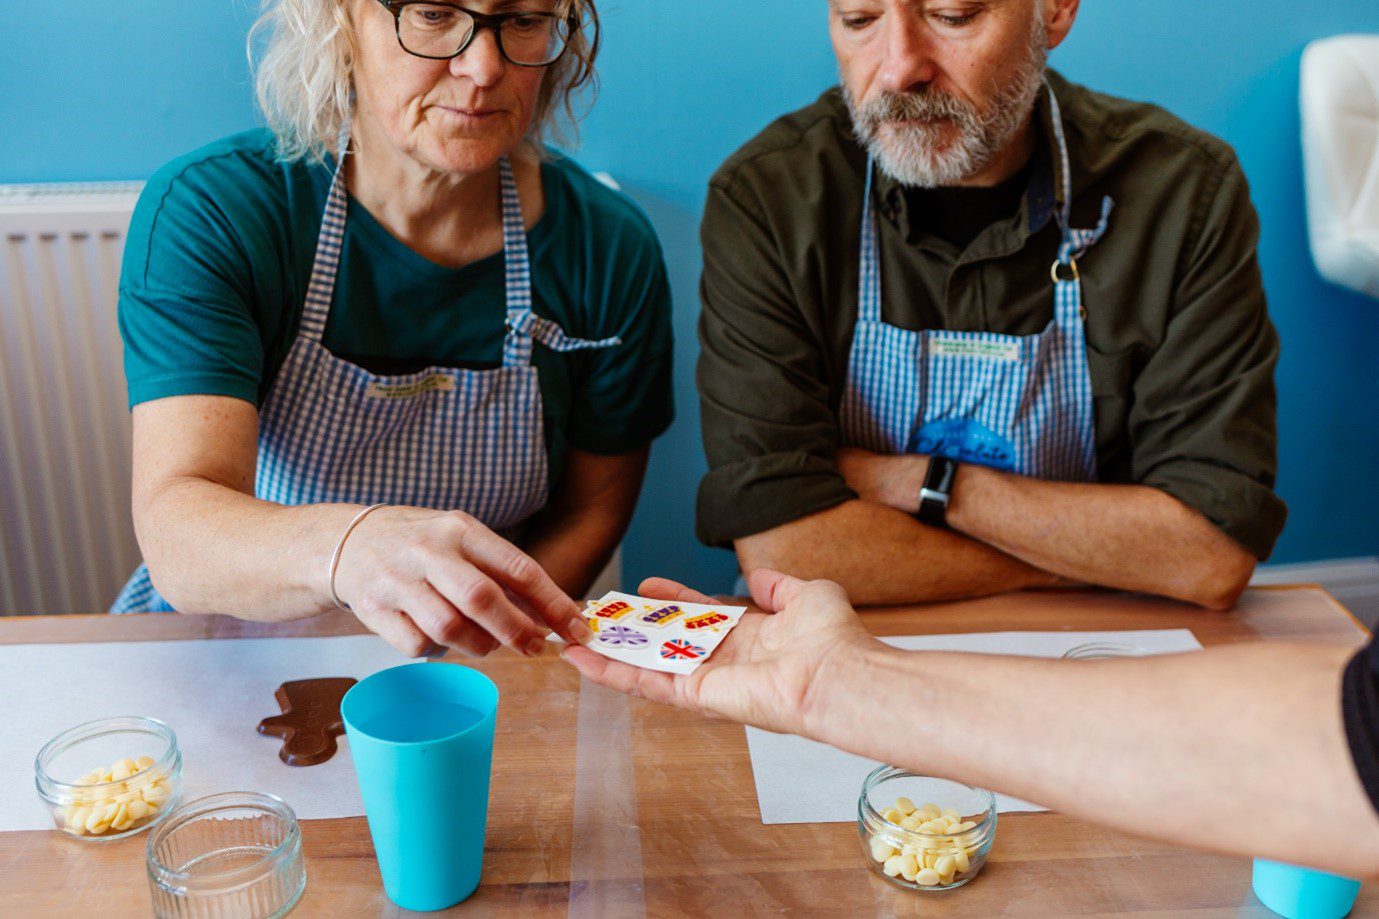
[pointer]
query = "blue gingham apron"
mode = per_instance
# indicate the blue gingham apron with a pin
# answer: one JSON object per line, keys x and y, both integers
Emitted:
{"x": 443, "y": 438}
{"x": 1011, "y": 402}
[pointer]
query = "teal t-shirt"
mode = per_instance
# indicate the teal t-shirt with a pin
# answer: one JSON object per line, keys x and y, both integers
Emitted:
{"x": 219, "y": 257}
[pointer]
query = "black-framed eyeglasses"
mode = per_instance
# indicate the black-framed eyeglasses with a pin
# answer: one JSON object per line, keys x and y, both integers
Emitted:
{"x": 441, "y": 31}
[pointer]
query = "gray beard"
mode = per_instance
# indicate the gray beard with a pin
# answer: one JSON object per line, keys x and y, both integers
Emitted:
{"x": 904, "y": 132}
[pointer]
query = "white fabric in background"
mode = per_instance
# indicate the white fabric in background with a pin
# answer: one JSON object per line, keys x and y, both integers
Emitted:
{"x": 1339, "y": 97}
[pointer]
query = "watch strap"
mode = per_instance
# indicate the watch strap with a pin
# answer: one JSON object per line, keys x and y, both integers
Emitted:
{"x": 934, "y": 495}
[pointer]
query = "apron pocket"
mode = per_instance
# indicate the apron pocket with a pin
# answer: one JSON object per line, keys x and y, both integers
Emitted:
{"x": 1111, "y": 371}
{"x": 1112, "y": 375}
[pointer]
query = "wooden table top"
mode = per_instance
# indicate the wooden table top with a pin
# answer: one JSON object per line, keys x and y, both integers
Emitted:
{"x": 604, "y": 829}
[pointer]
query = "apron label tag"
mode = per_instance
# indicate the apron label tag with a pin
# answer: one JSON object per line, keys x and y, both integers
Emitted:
{"x": 436, "y": 382}
{"x": 988, "y": 350}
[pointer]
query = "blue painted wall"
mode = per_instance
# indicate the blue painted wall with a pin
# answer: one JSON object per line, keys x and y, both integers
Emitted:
{"x": 122, "y": 89}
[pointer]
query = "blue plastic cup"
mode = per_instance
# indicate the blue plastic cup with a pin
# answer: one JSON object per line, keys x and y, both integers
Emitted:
{"x": 421, "y": 736}
{"x": 1302, "y": 893}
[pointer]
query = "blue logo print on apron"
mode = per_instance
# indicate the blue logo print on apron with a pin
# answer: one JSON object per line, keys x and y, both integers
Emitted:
{"x": 967, "y": 441}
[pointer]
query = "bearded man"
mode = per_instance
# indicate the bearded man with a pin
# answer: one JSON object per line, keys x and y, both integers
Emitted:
{"x": 969, "y": 327}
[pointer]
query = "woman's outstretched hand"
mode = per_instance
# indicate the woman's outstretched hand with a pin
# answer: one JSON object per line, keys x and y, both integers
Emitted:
{"x": 424, "y": 579}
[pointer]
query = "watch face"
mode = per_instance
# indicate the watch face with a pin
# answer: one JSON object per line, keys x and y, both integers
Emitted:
{"x": 938, "y": 479}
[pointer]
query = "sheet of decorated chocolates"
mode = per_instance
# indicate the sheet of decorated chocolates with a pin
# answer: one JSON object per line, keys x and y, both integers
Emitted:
{"x": 670, "y": 636}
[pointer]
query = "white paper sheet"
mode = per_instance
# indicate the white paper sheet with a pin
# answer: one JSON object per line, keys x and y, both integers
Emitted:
{"x": 212, "y": 693}
{"x": 801, "y": 781}
{"x": 664, "y": 635}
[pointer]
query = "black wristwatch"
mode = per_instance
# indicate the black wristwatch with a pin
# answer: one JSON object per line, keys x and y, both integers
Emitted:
{"x": 938, "y": 485}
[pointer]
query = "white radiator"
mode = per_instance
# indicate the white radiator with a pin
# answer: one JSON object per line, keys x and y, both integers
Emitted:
{"x": 66, "y": 538}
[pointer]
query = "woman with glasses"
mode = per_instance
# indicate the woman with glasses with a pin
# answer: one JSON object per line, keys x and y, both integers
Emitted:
{"x": 393, "y": 353}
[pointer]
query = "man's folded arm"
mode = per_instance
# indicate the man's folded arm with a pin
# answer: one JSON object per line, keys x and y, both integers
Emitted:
{"x": 1199, "y": 510}
{"x": 1203, "y": 423}
{"x": 773, "y": 490}
{"x": 882, "y": 557}
{"x": 1128, "y": 537}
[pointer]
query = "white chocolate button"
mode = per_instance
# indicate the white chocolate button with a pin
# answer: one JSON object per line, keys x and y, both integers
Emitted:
{"x": 76, "y": 817}
{"x": 95, "y": 822}
{"x": 933, "y": 857}
{"x": 120, "y": 805}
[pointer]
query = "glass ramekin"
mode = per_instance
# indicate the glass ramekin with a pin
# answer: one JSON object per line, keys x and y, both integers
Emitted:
{"x": 73, "y": 774}
{"x": 1101, "y": 650}
{"x": 968, "y": 849}
{"x": 237, "y": 853}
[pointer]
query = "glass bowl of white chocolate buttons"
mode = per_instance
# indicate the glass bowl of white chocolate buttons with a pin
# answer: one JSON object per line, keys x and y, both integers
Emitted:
{"x": 110, "y": 778}
{"x": 924, "y": 833}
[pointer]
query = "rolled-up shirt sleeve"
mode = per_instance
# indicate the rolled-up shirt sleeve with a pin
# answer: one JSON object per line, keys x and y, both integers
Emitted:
{"x": 1360, "y": 708}
{"x": 769, "y": 431}
{"x": 1203, "y": 427}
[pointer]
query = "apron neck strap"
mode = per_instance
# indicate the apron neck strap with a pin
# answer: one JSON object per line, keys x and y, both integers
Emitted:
{"x": 869, "y": 263}
{"x": 1065, "y": 172}
{"x": 321, "y": 289}
{"x": 517, "y": 343}
{"x": 1075, "y": 242}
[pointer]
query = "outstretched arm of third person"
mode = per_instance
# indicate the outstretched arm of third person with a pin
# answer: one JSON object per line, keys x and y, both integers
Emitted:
{"x": 1239, "y": 749}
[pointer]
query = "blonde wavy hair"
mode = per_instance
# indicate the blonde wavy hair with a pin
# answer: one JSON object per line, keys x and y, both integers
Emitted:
{"x": 304, "y": 78}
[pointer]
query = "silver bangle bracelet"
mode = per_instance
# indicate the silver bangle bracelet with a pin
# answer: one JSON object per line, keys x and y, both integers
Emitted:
{"x": 340, "y": 547}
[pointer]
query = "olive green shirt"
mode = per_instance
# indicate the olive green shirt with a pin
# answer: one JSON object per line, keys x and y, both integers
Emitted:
{"x": 1181, "y": 351}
